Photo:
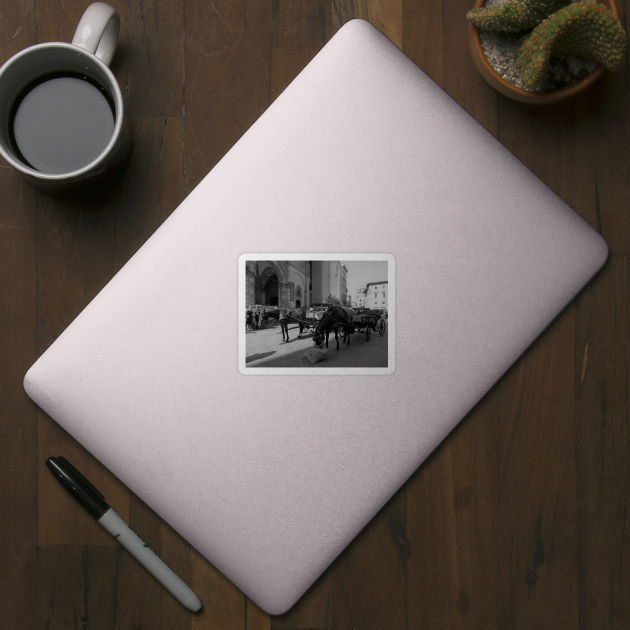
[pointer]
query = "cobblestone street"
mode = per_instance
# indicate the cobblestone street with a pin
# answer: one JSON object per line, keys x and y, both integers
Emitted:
{"x": 264, "y": 349}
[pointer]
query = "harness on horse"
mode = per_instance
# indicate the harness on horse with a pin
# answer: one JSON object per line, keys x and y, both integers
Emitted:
{"x": 344, "y": 313}
{"x": 335, "y": 317}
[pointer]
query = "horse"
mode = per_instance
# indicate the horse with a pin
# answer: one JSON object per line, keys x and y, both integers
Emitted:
{"x": 334, "y": 318}
{"x": 298, "y": 315}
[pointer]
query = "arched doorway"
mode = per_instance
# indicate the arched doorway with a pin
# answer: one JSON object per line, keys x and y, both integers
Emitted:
{"x": 270, "y": 288}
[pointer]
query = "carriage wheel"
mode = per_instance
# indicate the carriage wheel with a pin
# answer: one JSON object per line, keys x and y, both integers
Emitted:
{"x": 381, "y": 328}
{"x": 368, "y": 332}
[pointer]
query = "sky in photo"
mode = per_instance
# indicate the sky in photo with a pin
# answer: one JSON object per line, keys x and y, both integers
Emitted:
{"x": 360, "y": 272}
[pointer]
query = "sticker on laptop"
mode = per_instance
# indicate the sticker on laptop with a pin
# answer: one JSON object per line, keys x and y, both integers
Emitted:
{"x": 316, "y": 314}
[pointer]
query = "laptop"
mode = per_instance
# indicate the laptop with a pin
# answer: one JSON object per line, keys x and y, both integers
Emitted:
{"x": 269, "y": 469}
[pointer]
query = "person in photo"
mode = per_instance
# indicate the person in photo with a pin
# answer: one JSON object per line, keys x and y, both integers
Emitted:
{"x": 249, "y": 316}
{"x": 284, "y": 324}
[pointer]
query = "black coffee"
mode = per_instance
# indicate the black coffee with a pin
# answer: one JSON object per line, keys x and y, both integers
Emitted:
{"x": 61, "y": 123}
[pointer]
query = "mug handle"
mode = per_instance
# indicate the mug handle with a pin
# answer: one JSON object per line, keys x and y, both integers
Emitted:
{"x": 98, "y": 30}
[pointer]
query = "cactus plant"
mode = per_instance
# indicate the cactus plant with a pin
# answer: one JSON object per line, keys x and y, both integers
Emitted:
{"x": 513, "y": 16}
{"x": 583, "y": 29}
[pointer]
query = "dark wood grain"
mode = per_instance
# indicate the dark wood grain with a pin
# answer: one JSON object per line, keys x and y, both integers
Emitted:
{"x": 518, "y": 520}
{"x": 76, "y": 587}
{"x": 154, "y": 60}
{"x": 18, "y": 417}
{"x": 537, "y": 537}
{"x": 602, "y": 380}
{"x": 226, "y": 78}
{"x": 369, "y": 577}
{"x": 301, "y": 23}
{"x": 452, "y": 516}
{"x": 422, "y": 36}
{"x": 609, "y": 133}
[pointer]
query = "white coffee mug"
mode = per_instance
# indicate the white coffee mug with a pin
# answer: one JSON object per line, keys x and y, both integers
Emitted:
{"x": 103, "y": 143}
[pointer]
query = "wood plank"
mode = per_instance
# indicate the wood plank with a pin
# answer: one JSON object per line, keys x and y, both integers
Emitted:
{"x": 17, "y": 28}
{"x": 603, "y": 468}
{"x": 154, "y": 57}
{"x": 537, "y": 537}
{"x": 608, "y": 126}
{"x": 76, "y": 587}
{"x": 18, "y": 416}
{"x": 18, "y": 422}
{"x": 452, "y": 526}
{"x": 300, "y": 22}
{"x": 423, "y": 36}
{"x": 226, "y": 78}
{"x": 386, "y": 15}
{"x": 74, "y": 248}
{"x": 369, "y": 577}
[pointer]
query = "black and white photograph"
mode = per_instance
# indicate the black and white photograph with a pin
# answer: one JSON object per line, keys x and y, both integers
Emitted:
{"x": 319, "y": 314}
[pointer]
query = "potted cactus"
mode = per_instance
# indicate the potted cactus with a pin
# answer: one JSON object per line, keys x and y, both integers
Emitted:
{"x": 557, "y": 49}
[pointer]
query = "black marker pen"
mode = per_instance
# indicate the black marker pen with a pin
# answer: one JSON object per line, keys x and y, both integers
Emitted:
{"x": 94, "y": 502}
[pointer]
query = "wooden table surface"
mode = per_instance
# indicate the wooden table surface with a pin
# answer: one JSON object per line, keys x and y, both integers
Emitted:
{"x": 518, "y": 520}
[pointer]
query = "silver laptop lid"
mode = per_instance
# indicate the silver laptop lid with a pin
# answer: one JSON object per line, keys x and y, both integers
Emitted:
{"x": 271, "y": 475}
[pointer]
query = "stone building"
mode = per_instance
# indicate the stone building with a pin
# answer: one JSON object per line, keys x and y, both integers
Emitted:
{"x": 329, "y": 282}
{"x": 361, "y": 297}
{"x": 295, "y": 283}
{"x": 345, "y": 298}
{"x": 278, "y": 283}
{"x": 376, "y": 294}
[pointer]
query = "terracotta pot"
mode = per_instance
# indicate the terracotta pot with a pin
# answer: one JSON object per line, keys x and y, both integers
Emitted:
{"x": 518, "y": 94}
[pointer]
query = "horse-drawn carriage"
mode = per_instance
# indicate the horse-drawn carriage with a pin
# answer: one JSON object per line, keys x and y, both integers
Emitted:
{"x": 322, "y": 320}
{"x": 366, "y": 321}
{"x": 344, "y": 321}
